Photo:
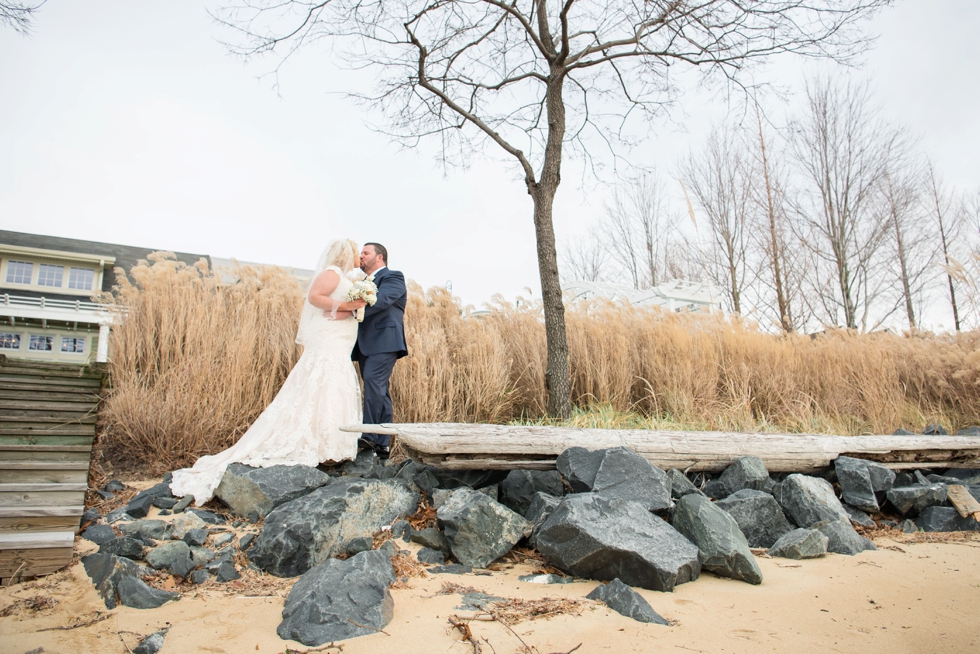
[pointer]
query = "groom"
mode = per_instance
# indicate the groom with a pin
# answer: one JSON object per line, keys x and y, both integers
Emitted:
{"x": 380, "y": 341}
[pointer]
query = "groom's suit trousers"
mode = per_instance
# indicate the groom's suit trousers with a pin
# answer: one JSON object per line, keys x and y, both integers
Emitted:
{"x": 376, "y": 371}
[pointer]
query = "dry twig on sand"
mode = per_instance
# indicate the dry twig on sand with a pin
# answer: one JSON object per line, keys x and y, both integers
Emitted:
{"x": 323, "y": 648}
{"x": 464, "y": 630}
{"x": 99, "y": 617}
{"x": 515, "y": 611}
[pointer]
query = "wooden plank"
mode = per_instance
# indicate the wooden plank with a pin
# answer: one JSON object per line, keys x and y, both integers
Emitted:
{"x": 48, "y": 417}
{"x": 6, "y": 361}
{"x": 36, "y": 540}
{"x": 964, "y": 502}
{"x": 22, "y": 367}
{"x": 44, "y": 404}
{"x": 43, "y": 465}
{"x": 21, "y": 385}
{"x": 42, "y": 511}
{"x": 30, "y": 429}
{"x": 34, "y": 561}
{"x": 465, "y": 446}
{"x": 25, "y": 453}
{"x": 9, "y": 377}
{"x": 82, "y": 396}
{"x": 42, "y": 498}
{"x": 38, "y": 488}
{"x": 42, "y": 476}
{"x": 41, "y": 439}
{"x": 34, "y": 524}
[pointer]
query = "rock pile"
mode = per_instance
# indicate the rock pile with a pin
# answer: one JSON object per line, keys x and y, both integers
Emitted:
{"x": 605, "y": 515}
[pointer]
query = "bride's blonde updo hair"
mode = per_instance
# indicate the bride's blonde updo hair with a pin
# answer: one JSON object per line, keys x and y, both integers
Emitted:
{"x": 343, "y": 254}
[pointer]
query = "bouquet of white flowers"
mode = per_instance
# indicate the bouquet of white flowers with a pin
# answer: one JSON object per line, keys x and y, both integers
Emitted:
{"x": 366, "y": 290}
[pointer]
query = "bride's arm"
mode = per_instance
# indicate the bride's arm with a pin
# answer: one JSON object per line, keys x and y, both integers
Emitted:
{"x": 319, "y": 296}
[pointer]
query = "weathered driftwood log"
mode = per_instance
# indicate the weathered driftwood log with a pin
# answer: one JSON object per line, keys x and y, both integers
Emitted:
{"x": 503, "y": 447}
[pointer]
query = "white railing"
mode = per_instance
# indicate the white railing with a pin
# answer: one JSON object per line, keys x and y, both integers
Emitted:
{"x": 49, "y": 303}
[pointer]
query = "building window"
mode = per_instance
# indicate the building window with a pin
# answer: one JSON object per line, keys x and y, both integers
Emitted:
{"x": 9, "y": 341}
{"x": 50, "y": 275}
{"x": 19, "y": 272}
{"x": 72, "y": 344}
{"x": 41, "y": 343}
{"x": 81, "y": 278}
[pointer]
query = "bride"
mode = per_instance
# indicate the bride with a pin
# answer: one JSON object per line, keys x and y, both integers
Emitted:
{"x": 321, "y": 393}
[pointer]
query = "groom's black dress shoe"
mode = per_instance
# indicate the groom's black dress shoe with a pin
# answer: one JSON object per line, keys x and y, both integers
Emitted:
{"x": 365, "y": 444}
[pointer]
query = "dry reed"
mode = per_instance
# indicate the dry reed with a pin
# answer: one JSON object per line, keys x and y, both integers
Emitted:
{"x": 194, "y": 361}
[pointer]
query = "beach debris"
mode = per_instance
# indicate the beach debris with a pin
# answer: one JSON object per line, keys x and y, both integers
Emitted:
{"x": 842, "y": 539}
{"x": 478, "y": 528}
{"x": 808, "y": 500}
{"x": 912, "y": 500}
{"x": 546, "y": 578}
{"x": 800, "y": 543}
{"x": 964, "y": 502}
{"x": 942, "y": 518}
{"x": 724, "y": 550}
{"x": 624, "y": 600}
{"x": 309, "y": 530}
{"x": 252, "y": 492}
{"x": 863, "y": 483}
{"x": 758, "y": 515}
{"x": 518, "y": 488}
{"x": 152, "y": 643}
{"x": 337, "y": 599}
{"x": 747, "y": 472}
{"x": 593, "y": 537}
{"x": 465, "y": 633}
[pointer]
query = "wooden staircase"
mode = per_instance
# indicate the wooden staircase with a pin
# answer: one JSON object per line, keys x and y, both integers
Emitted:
{"x": 47, "y": 425}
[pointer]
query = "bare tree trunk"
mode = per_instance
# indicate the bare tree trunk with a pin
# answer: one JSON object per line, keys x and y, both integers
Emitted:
{"x": 948, "y": 224}
{"x": 557, "y": 378}
{"x": 776, "y": 246}
{"x": 906, "y": 289}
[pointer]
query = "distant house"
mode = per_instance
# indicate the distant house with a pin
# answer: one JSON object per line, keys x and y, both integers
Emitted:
{"x": 46, "y": 289}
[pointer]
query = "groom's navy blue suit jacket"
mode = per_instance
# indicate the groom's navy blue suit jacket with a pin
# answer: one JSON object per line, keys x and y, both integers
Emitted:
{"x": 383, "y": 329}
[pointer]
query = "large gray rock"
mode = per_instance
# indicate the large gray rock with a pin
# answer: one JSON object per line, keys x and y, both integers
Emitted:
{"x": 724, "y": 550}
{"x": 519, "y": 486}
{"x": 842, "y": 539}
{"x": 184, "y": 523}
{"x": 137, "y": 594}
{"x": 163, "y": 556}
{"x": 432, "y": 538}
{"x": 541, "y": 507}
{"x": 579, "y": 467}
{"x": 859, "y": 517}
{"x": 860, "y": 480}
{"x": 944, "y": 518}
{"x": 744, "y": 472}
{"x": 152, "y": 643}
{"x": 624, "y": 600}
{"x": 800, "y": 544}
{"x": 808, "y": 500}
{"x": 479, "y": 529}
{"x": 99, "y": 534}
{"x": 758, "y": 515}
{"x": 307, "y": 531}
{"x": 123, "y": 546}
{"x": 253, "y": 492}
{"x": 594, "y": 537}
{"x": 331, "y": 600}
{"x": 625, "y": 475}
{"x": 911, "y": 500}
{"x": 680, "y": 485}
{"x": 107, "y": 570}
{"x": 156, "y": 529}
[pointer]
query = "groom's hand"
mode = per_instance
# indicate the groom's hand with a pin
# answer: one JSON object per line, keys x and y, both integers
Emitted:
{"x": 353, "y": 305}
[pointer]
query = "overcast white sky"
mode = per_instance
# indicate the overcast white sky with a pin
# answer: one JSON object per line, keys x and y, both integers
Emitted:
{"x": 128, "y": 122}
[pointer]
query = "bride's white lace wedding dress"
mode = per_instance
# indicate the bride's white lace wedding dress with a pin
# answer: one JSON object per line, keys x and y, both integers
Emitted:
{"x": 301, "y": 426}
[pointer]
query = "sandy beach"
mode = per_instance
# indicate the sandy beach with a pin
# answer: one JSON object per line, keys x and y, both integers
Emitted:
{"x": 911, "y": 595}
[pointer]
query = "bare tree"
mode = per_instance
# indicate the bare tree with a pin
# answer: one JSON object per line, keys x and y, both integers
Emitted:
{"x": 535, "y": 78}
{"x": 639, "y": 227}
{"x": 19, "y": 15}
{"x": 584, "y": 259}
{"x": 843, "y": 148}
{"x": 771, "y": 225}
{"x": 902, "y": 208}
{"x": 719, "y": 181}
{"x": 949, "y": 216}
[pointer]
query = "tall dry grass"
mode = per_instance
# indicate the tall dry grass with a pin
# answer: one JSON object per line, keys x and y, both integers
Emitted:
{"x": 194, "y": 362}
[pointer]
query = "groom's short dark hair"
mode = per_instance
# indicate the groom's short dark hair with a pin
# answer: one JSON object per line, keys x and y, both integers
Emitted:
{"x": 380, "y": 249}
